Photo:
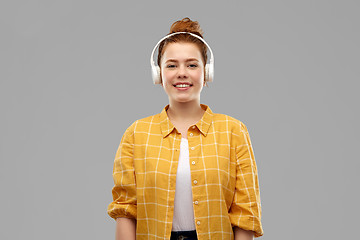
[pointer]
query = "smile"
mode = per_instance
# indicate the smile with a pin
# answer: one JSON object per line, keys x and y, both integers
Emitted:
{"x": 182, "y": 85}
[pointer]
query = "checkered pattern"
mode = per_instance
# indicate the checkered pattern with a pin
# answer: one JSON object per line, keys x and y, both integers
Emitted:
{"x": 223, "y": 173}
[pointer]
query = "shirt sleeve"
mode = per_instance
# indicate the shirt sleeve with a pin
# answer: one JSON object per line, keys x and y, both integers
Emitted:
{"x": 245, "y": 210}
{"x": 124, "y": 191}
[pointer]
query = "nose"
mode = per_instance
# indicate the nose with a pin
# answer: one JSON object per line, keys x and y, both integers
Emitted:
{"x": 182, "y": 72}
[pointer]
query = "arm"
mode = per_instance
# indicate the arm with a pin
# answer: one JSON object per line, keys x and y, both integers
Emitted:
{"x": 245, "y": 210}
{"x": 124, "y": 206}
{"x": 240, "y": 234}
{"x": 125, "y": 229}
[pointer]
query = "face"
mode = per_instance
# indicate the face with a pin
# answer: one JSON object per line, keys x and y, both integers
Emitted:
{"x": 181, "y": 64}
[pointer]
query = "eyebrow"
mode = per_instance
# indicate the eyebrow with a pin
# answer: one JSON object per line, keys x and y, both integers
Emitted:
{"x": 187, "y": 60}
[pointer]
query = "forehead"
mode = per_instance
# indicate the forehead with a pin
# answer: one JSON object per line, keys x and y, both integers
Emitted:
{"x": 181, "y": 51}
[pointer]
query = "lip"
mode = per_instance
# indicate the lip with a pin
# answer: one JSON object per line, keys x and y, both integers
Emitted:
{"x": 182, "y": 89}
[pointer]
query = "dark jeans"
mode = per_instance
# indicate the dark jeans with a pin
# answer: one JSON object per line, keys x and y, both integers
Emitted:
{"x": 180, "y": 235}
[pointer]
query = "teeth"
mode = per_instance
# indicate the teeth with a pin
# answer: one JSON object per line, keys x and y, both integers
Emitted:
{"x": 182, "y": 85}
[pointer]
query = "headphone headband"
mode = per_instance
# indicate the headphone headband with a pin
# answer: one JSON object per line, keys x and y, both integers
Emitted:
{"x": 209, "y": 68}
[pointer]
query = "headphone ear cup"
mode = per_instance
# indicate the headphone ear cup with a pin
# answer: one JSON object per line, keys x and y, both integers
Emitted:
{"x": 206, "y": 72}
{"x": 209, "y": 72}
{"x": 156, "y": 75}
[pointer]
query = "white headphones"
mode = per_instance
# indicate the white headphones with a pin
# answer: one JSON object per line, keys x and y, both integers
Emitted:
{"x": 209, "y": 67}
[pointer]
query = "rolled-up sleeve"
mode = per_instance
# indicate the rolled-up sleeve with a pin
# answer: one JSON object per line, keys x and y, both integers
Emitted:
{"x": 124, "y": 191}
{"x": 245, "y": 210}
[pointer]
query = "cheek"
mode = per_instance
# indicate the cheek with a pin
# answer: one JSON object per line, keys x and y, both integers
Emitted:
{"x": 198, "y": 74}
{"x": 167, "y": 75}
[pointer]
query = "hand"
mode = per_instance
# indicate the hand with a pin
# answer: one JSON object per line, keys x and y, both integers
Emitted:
{"x": 241, "y": 234}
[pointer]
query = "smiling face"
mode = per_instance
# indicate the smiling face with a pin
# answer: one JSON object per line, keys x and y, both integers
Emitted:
{"x": 182, "y": 72}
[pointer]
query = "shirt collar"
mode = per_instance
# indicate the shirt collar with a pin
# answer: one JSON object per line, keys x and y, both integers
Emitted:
{"x": 203, "y": 124}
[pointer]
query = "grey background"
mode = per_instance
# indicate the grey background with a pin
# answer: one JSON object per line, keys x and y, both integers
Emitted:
{"x": 76, "y": 74}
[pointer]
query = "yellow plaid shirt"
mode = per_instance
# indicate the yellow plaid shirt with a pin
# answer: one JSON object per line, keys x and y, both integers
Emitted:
{"x": 224, "y": 176}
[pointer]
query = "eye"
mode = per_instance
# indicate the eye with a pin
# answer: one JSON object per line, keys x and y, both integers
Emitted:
{"x": 170, "y": 66}
{"x": 193, "y": 65}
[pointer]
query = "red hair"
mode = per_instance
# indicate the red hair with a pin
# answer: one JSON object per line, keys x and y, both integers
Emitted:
{"x": 184, "y": 25}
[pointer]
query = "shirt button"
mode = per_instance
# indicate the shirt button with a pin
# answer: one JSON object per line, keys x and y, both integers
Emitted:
{"x": 195, "y": 182}
{"x": 191, "y": 134}
{"x": 193, "y": 162}
{"x": 196, "y": 202}
{"x": 193, "y": 127}
{"x": 192, "y": 148}
{"x": 198, "y": 222}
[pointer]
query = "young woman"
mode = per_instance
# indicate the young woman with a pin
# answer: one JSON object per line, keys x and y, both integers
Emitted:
{"x": 185, "y": 173}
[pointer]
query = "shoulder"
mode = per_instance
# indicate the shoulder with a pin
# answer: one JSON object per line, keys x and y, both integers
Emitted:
{"x": 143, "y": 124}
{"x": 233, "y": 124}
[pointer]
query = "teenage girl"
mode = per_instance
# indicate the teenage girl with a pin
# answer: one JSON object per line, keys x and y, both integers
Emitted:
{"x": 186, "y": 172}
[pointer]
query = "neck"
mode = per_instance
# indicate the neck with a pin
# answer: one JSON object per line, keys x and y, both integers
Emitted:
{"x": 185, "y": 111}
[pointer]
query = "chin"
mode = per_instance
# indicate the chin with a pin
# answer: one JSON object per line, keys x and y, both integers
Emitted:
{"x": 183, "y": 100}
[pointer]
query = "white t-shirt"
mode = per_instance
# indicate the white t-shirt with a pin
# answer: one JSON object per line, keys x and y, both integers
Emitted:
{"x": 183, "y": 219}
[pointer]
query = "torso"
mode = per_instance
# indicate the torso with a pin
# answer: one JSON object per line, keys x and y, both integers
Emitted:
{"x": 183, "y": 127}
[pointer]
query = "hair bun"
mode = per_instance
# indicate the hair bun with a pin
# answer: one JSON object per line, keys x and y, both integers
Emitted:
{"x": 186, "y": 25}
